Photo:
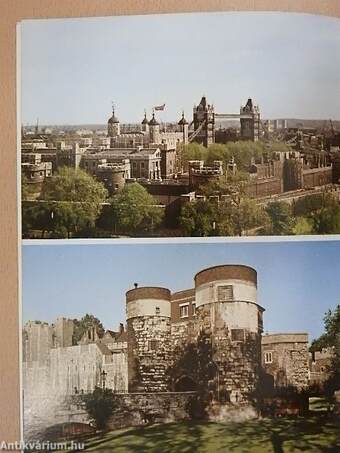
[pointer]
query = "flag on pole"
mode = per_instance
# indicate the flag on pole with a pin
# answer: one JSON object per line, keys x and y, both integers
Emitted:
{"x": 159, "y": 107}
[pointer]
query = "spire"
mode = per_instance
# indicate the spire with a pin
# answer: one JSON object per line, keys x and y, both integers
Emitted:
{"x": 113, "y": 118}
{"x": 145, "y": 120}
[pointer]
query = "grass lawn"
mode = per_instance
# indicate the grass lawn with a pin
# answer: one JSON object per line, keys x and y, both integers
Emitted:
{"x": 314, "y": 434}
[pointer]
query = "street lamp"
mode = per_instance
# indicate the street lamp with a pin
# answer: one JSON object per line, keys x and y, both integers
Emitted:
{"x": 103, "y": 376}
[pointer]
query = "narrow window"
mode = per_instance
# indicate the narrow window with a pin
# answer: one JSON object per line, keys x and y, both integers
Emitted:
{"x": 268, "y": 357}
{"x": 158, "y": 311}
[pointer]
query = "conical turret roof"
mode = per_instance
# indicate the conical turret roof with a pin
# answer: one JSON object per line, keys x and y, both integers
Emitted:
{"x": 182, "y": 121}
{"x": 153, "y": 121}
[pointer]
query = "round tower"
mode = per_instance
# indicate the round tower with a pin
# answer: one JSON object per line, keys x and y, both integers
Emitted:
{"x": 230, "y": 323}
{"x": 145, "y": 124}
{"x": 148, "y": 311}
{"x": 113, "y": 125}
{"x": 154, "y": 130}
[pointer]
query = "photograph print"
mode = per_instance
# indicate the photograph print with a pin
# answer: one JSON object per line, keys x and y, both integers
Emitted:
{"x": 202, "y": 124}
{"x": 211, "y": 347}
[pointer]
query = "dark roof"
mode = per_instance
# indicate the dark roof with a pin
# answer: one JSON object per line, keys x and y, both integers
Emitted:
{"x": 182, "y": 121}
{"x": 121, "y": 336}
{"x": 103, "y": 349}
{"x": 145, "y": 120}
{"x": 203, "y": 101}
{"x": 113, "y": 119}
{"x": 153, "y": 121}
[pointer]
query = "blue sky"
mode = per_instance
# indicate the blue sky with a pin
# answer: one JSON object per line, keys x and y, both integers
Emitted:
{"x": 297, "y": 281}
{"x": 73, "y": 69}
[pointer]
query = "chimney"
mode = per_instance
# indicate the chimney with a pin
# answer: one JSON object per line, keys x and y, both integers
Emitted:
{"x": 121, "y": 327}
{"x": 135, "y": 285}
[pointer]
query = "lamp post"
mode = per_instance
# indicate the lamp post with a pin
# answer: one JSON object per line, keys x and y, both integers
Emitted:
{"x": 103, "y": 376}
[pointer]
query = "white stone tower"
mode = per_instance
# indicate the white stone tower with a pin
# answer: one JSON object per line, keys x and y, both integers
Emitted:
{"x": 184, "y": 128}
{"x": 231, "y": 320}
{"x": 154, "y": 130}
{"x": 113, "y": 125}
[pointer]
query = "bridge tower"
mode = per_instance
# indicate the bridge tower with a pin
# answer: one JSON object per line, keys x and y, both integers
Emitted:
{"x": 250, "y": 127}
{"x": 204, "y": 123}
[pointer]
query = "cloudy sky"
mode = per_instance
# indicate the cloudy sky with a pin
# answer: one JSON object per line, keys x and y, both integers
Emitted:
{"x": 71, "y": 69}
{"x": 298, "y": 281}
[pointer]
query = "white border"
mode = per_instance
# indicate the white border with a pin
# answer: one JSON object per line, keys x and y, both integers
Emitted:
{"x": 184, "y": 240}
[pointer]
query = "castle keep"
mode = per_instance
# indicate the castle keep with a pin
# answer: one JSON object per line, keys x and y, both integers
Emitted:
{"x": 208, "y": 337}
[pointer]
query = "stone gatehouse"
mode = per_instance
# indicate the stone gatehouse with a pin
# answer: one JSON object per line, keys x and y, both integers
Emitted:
{"x": 206, "y": 338}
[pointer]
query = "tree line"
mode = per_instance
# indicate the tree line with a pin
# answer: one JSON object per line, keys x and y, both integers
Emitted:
{"x": 73, "y": 204}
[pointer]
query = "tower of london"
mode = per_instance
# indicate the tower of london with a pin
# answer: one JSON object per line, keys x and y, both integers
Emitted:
{"x": 174, "y": 343}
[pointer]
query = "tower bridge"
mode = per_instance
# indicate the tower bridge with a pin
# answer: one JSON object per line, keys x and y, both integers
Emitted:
{"x": 204, "y": 118}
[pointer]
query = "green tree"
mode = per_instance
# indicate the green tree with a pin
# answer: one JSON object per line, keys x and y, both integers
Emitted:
{"x": 327, "y": 220}
{"x": 77, "y": 200}
{"x": 193, "y": 151}
{"x": 331, "y": 330}
{"x": 198, "y": 218}
{"x": 134, "y": 210}
{"x": 311, "y": 203}
{"x": 82, "y": 325}
{"x": 35, "y": 216}
{"x": 218, "y": 151}
{"x": 303, "y": 225}
{"x": 100, "y": 405}
{"x": 331, "y": 338}
{"x": 247, "y": 215}
{"x": 281, "y": 217}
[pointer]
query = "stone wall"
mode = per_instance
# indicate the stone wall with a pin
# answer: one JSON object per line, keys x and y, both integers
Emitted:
{"x": 319, "y": 364}
{"x": 149, "y": 351}
{"x": 235, "y": 355}
{"x": 37, "y": 340}
{"x": 314, "y": 177}
{"x": 135, "y": 409}
{"x": 285, "y": 357}
{"x": 264, "y": 187}
{"x": 68, "y": 371}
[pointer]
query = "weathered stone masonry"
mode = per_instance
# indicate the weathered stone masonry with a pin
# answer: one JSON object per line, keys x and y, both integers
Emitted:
{"x": 207, "y": 337}
{"x": 149, "y": 342}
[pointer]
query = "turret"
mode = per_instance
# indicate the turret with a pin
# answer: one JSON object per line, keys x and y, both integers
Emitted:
{"x": 230, "y": 319}
{"x": 184, "y": 128}
{"x": 250, "y": 121}
{"x": 154, "y": 130}
{"x": 145, "y": 124}
{"x": 113, "y": 125}
{"x": 204, "y": 122}
{"x": 148, "y": 311}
